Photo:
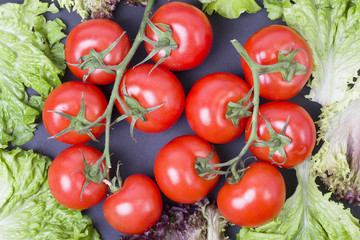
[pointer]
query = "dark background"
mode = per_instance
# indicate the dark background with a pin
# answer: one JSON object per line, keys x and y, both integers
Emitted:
{"x": 139, "y": 157}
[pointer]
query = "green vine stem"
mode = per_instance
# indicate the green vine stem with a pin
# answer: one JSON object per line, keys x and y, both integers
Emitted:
{"x": 120, "y": 70}
{"x": 288, "y": 68}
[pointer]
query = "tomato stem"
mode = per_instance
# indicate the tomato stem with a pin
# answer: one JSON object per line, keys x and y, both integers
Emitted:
{"x": 255, "y": 68}
{"x": 120, "y": 70}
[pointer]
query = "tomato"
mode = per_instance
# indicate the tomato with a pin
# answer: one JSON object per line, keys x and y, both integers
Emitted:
{"x": 263, "y": 47}
{"x": 191, "y": 30}
{"x": 96, "y": 34}
{"x": 206, "y": 106}
{"x": 160, "y": 87}
{"x": 256, "y": 199}
{"x": 175, "y": 172}
{"x": 300, "y": 130}
{"x": 67, "y": 99}
{"x": 66, "y": 183}
{"x": 136, "y": 207}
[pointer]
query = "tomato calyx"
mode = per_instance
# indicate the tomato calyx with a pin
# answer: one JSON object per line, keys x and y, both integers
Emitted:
{"x": 203, "y": 169}
{"x": 92, "y": 173}
{"x": 132, "y": 108}
{"x": 116, "y": 182}
{"x": 236, "y": 173}
{"x": 165, "y": 42}
{"x": 276, "y": 143}
{"x": 290, "y": 67}
{"x": 95, "y": 60}
{"x": 238, "y": 110}
{"x": 79, "y": 123}
{"x": 286, "y": 65}
{"x": 208, "y": 171}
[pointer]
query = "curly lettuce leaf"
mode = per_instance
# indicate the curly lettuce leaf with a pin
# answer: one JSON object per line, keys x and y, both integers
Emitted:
{"x": 307, "y": 214}
{"x": 199, "y": 221}
{"x": 230, "y": 8}
{"x": 90, "y": 8}
{"x": 31, "y": 56}
{"x": 337, "y": 161}
{"x": 27, "y": 207}
{"x": 331, "y": 29}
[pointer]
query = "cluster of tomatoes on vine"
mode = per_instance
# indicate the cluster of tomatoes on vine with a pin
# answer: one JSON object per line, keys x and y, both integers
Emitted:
{"x": 219, "y": 107}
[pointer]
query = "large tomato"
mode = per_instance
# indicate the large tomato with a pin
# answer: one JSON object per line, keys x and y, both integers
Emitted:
{"x": 263, "y": 47}
{"x": 175, "y": 172}
{"x": 256, "y": 199}
{"x": 67, "y": 99}
{"x": 66, "y": 182}
{"x": 206, "y": 106}
{"x": 300, "y": 130}
{"x": 191, "y": 31}
{"x": 96, "y": 34}
{"x": 153, "y": 89}
{"x": 136, "y": 207}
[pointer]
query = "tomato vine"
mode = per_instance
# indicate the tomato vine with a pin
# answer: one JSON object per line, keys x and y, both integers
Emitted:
{"x": 286, "y": 66}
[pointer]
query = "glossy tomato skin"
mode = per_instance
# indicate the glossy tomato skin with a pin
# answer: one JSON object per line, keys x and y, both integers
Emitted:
{"x": 66, "y": 98}
{"x": 96, "y": 34}
{"x": 256, "y": 199}
{"x": 175, "y": 173}
{"x": 66, "y": 183}
{"x": 300, "y": 129}
{"x": 192, "y": 32}
{"x": 161, "y": 86}
{"x": 136, "y": 207}
{"x": 206, "y": 106}
{"x": 263, "y": 47}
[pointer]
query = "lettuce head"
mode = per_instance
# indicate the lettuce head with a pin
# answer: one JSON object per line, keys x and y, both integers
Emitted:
{"x": 31, "y": 60}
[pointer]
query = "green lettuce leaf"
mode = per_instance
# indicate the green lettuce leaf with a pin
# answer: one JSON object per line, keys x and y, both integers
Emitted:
{"x": 307, "y": 214}
{"x": 230, "y": 8}
{"x": 31, "y": 57}
{"x": 27, "y": 207}
{"x": 331, "y": 29}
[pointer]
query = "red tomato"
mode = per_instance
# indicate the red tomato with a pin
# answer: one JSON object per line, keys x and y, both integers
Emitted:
{"x": 96, "y": 34}
{"x": 191, "y": 31}
{"x": 66, "y": 183}
{"x": 206, "y": 106}
{"x": 175, "y": 173}
{"x": 67, "y": 99}
{"x": 256, "y": 199}
{"x": 263, "y": 47}
{"x": 136, "y": 207}
{"x": 161, "y": 86}
{"x": 300, "y": 129}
